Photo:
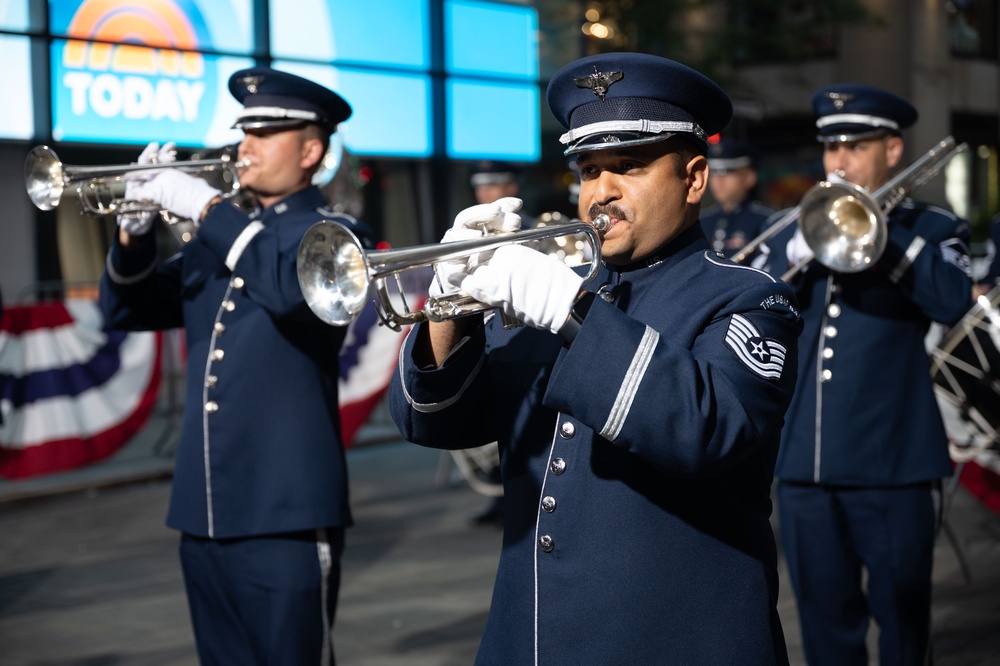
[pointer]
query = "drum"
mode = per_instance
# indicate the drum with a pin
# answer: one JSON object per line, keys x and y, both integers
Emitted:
{"x": 965, "y": 367}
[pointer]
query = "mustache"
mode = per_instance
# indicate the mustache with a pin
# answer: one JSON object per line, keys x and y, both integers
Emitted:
{"x": 609, "y": 210}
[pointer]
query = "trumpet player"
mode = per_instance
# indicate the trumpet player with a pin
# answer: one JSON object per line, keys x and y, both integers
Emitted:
{"x": 260, "y": 484}
{"x": 638, "y": 417}
{"x": 863, "y": 448}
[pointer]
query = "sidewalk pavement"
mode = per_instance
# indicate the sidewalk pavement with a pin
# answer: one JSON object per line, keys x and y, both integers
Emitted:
{"x": 89, "y": 575}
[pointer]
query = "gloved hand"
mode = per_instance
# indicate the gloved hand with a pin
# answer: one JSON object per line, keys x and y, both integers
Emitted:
{"x": 473, "y": 222}
{"x": 527, "y": 285}
{"x": 180, "y": 193}
{"x": 797, "y": 250}
{"x": 141, "y": 222}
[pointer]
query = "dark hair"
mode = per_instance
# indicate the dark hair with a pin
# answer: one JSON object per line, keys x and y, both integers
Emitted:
{"x": 685, "y": 149}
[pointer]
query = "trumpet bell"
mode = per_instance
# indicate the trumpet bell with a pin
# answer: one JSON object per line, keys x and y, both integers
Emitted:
{"x": 336, "y": 274}
{"x": 43, "y": 178}
{"x": 843, "y": 226}
{"x": 333, "y": 273}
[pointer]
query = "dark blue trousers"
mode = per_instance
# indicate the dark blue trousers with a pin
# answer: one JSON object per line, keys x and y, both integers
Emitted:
{"x": 263, "y": 600}
{"x": 829, "y": 536}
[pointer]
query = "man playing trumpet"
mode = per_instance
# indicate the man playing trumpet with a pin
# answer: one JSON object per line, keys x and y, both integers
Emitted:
{"x": 260, "y": 483}
{"x": 637, "y": 418}
{"x": 864, "y": 448}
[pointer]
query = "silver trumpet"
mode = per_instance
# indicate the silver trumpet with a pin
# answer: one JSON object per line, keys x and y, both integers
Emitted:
{"x": 46, "y": 180}
{"x": 336, "y": 274}
{"x": 843, "y": 224}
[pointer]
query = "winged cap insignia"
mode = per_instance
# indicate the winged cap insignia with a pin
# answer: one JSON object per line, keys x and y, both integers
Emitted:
{"x": 251, "y": 82}
{"x": 839, "y": 99}
{"x": 598, "y": 82}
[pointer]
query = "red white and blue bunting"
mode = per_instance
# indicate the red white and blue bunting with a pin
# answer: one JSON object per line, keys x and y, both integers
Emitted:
{"x": 71, "y": 393}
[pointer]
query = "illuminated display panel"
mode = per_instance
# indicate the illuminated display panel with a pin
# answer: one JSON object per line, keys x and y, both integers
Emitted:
{"x": 16, "y": 120}
{"x": 106, "y": 88}
{"x": 119, "y": 93}
{"x": 511, "y": 49}
{"x": 216, "y": 25}
{"x": 390, "y": 33}
{"x": 391, "y": 112}
{"x": 490, "y": 120}
{"x": 14, "y": 16}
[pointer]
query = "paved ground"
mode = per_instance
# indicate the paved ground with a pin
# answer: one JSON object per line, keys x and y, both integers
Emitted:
{"x": 89, "y": 577}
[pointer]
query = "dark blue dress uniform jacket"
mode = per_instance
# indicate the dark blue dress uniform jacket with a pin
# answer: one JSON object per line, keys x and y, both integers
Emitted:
{"x": 636, "y": 464}
{"x": 260, "y": 448}
{"x": 864, "y": 411}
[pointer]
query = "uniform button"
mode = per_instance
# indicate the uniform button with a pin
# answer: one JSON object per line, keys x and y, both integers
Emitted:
{"x": 567, "y": 430}
{"x": 827, "y": 353}
{"x": 827, "y": 375}
{"x": 238, "y": 282}
{"x": 833, "y": 310}
{"x": 228, "y": 306}
{"x": 211, "y": 406}
{"x": 211, "y": 381}
{"x": 548, "y": 504}
{"x": 220, "y": 328}
{"x": 830, "y": 331}
{"x": 217, "y": 354}
{"x": 608, "y": 297}
{"x": 546, "y": 543}
{"x": 558, "y": 466}
{"x": 835, "y": 289}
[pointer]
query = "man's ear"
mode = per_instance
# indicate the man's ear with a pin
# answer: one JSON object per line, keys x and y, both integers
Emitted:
{"x": 697, "y": 179}
{"x": 893, "y": 151}
{"x": 312, "y": 153}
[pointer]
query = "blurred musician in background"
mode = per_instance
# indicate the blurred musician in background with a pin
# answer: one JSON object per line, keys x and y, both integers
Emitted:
{"x": 864, "y": 448}
{"x": 737, "y": 217}
{"x": 260, "y": 486}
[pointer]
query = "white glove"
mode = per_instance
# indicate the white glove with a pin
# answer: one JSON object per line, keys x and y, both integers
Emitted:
{"x": 138, "y": 223}
{"x": 182, "y": 194}
{"x": 473, "y": 222}
{"x": 797, "y": 250}
{"x": 501, "y": 215}
{"x": 527, "y": 285}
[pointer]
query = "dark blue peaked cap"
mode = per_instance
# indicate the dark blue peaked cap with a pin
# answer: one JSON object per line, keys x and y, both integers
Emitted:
{"x": 731, "y": 154}
{"x": 491, "y": 172}
{"x": 615, "y": 100}
{"x": 851, "y": 111}
{"x": 272, "y": 98}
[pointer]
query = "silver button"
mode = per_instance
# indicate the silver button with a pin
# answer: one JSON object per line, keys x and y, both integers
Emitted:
{"x": 220, "y": 328}
{"x": 567, "y": 430}
{"x": 217, "y": 354}
{"x": 826, "y": 376}
{"x": 548, "y": 504}
{"x": 238, "y": 282}
{"x": 546, "y": 543}
{"x": 608, "y": 297}
{"x": 830, "y": 331}
{"x": 827, "y": 353}
{"x": 211, "y": 381}
{"x": 228, "y": 306}
{"x": 211, "y": 406}
{"x": 833, "y": 310}
{"x": 558, "y": 466}
{"x": 834, "y": 288}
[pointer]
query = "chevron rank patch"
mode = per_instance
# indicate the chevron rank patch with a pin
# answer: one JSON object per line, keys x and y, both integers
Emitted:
{"x": 764, "y": 357}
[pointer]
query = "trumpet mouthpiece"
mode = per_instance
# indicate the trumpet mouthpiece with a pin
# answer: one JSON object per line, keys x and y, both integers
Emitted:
{"x": 602, "y": 223}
